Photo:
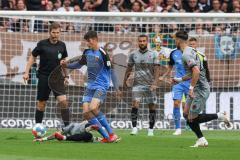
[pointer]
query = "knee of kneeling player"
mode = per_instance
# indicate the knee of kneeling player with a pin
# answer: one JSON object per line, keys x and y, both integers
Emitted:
{"x": 63, "y": 104}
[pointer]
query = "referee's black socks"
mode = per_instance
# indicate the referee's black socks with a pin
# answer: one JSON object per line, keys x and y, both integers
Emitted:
{"x": 39, "y": 116}
{"x": 65, "y": 113}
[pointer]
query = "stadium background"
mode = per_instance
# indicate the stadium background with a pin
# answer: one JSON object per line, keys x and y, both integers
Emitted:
{"x": 18, "y": 100}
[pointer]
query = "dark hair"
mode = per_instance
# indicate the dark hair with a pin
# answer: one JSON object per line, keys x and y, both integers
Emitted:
{"x": 143, "y": 35}
{"x": 54, "y": 25}
{"x": 182, "y": 35}
{"x": 193, "y": 39}
{"x": 90, "y": 34}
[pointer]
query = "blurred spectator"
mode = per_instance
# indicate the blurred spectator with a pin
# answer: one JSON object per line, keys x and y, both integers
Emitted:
{"x": 203, "y": 6}
{"x": 192, "y": 6}
{"x": 137, "y": 7}
{"x": 119, "y": 4}
{"x": 25, "y": 27}
{"x": 144, "y": 3}
{"x": 236, "y": 10}
{"x": 224, "y": 6}
{"x": 112, "y": 7}
{"x": 34, "y": 5}
{"x": 3, "y": 28}
{"x": 198, "y": 29}
{"x": 77, "y": 25}
{"x": 126, "y": 28}
{"x": 76, "y": 8}
{"x": 218, "y": 30}
{"x": 3, "y": 25}
{"x": 154, "y": 30}
{"x": 179, "y": 6}
{"x": 7, "y": 24}
{"x": 208, "y": 26}
{"x": 170, "y": 6}
{"x": 126, "y": 5}
{"x": 78, "y": 2}
{"x": 99, "y": 5}
{"x": 236, "y": 6}
{"x": 49, "y": 6}
{"x": 8, "y": 4}
{"x": 87, "y": 6}
{"x": 21, "y": 5}
{"x": 70, "y": 28}
{"x": 66, "y": 6}
{"x": 118, "y": 29}
{"x": 57, "y": 4}
{"x": 216, "y": 7}
{"x": 154, "y": 6}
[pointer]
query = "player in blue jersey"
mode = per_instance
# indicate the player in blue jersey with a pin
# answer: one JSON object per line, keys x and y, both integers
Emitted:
{"x": 179, "y": 90}
{"x": 98, "y": 67}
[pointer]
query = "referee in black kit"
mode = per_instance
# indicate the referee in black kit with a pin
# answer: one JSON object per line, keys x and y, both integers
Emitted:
{"x": 51, "y": 52}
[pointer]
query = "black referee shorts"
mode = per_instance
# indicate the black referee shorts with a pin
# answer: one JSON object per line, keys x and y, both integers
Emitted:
{"x": 43, "y": 90}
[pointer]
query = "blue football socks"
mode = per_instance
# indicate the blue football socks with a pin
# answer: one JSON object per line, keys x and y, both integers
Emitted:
{"x": 177, "y": 117}
{"x": 102, "y": 119}
{"x": 101, "y": 130}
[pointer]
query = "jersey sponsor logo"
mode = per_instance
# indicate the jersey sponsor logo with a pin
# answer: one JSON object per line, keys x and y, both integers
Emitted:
{"x": 59, "y": 55}
{"x": 96, "y": 58}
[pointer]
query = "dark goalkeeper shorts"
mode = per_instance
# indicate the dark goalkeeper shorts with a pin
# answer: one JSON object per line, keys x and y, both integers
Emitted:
{"x": 43, "y": 90}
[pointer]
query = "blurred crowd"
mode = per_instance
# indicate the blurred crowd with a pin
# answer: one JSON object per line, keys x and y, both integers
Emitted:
{"x": 200, "y": 28}
{"x": 204, "y": 6}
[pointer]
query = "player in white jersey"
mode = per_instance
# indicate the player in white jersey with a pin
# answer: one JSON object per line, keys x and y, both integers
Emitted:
{"x": 199, "y": 90}
{"x": 144, "y": 64}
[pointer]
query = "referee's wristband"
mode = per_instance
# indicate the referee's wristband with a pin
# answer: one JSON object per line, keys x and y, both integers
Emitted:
{"x": 191, "y": 87}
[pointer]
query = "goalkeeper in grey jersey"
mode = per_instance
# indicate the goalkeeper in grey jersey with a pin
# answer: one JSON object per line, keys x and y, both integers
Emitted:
{"x": 199, "y": 90}
{"x": 74, "y": 132}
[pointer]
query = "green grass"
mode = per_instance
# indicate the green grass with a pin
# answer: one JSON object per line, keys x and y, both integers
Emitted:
{"x": 17, "y": 144}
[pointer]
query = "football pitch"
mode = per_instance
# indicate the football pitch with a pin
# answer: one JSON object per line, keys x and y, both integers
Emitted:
{"x": 17, "y": 144}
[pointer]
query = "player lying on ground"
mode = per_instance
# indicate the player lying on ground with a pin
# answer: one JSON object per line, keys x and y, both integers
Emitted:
{"x": 79, "y": 132}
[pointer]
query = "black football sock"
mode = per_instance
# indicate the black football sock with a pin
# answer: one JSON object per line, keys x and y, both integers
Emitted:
{"x": 85, "y": 137}
{"x": 65, "y": 116}
{"x": 195, "y": 128}
{"x": 205, "y": 118}
{"x": 39, "y": 116}
{"x": 134, "y": 115}
{"x": 152, "y": 116}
